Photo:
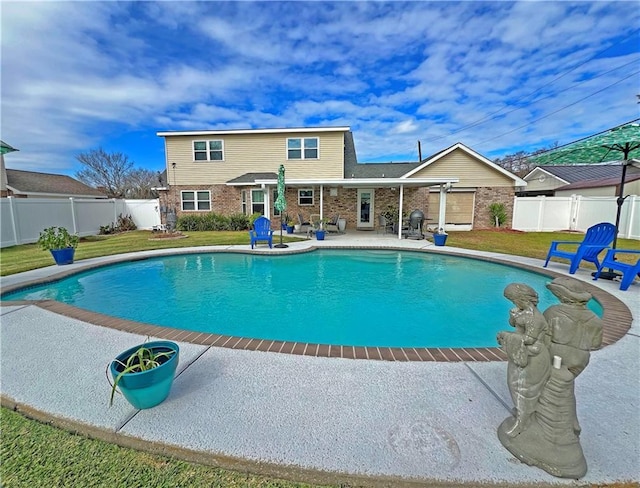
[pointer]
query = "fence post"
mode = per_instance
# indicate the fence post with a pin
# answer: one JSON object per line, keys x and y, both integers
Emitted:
{"x": 14, "y": 221}
{"x": 73, "y": 215}
{"x": 541, "y": 209}
{"x": 573, "y": 212}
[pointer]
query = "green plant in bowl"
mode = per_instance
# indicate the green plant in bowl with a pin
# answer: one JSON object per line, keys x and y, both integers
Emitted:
{"x": 137, "y": 360}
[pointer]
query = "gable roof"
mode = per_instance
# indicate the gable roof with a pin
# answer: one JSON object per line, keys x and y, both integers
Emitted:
{"x": 459, "y": 146}
{"x": 43, "y": 184}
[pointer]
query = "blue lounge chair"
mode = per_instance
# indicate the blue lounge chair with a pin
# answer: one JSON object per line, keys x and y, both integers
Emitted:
{"x": 261, "y": 231}
{"x": 597, "y": 238}
{"x": 629, "y": 271}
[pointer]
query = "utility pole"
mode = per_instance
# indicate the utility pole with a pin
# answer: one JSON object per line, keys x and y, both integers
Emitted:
{"x": 419, "y": 152}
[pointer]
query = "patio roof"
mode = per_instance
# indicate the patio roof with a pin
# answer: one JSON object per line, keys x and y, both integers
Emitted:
{"x": 364, "y": 182}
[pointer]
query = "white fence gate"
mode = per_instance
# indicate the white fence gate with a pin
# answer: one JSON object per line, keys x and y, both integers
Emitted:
{"x": 22, "y": 219}
{"x": 547, "y": 214}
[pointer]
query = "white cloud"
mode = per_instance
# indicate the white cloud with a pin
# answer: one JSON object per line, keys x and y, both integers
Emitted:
{"x": 76, "y": 75}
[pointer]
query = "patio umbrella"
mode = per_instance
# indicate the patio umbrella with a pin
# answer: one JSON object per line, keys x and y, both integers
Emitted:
{"x": 281, "y": 202}
{"x": 6, "y": 148}
{"x": 622, "y": 142}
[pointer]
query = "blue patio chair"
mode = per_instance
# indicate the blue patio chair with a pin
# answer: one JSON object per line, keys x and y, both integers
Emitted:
{"x": 597, "y": 238}
{"x": 261, "y": 231}
{"x": 629, "y": 271}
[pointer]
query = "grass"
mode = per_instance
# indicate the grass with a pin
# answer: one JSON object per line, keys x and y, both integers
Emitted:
{"x": 34, "y": 454}
{"x": 38, "y": 455}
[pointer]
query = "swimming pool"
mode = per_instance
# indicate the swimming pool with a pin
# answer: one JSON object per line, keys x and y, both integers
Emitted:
{"x": 364, "y": 297}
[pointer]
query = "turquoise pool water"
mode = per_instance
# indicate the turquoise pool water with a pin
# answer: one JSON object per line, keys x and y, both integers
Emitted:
{"x": 348, "y": 297}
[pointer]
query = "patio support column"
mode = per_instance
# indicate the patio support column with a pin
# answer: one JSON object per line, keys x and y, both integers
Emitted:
{"x": 266, "y": 190}
{"x": 443, "y": 206}
{"x": 321, "y": 202}
{"x": 400, "y": 211}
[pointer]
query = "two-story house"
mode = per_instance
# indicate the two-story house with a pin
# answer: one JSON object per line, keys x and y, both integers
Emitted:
{"x": 232, "y": 171}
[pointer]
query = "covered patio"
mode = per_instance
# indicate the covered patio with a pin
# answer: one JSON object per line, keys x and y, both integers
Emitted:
{"x": 364, "y": 203}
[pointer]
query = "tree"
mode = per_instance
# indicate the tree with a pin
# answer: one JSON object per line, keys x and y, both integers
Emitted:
{"x": 140, "y": 184}
{"x": 116, "y": 175}
{"x": 518, "y": 163}
{"x": 108, "y": 171}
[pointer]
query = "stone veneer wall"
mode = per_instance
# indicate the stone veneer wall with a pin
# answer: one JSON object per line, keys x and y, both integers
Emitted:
{"x": 485, "y": 196}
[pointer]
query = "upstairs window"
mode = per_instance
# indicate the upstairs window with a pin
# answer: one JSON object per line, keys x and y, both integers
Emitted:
{"x": 302, "y": 148}
{"x": 195, "y": 200}
{"x": 208, "y": 151}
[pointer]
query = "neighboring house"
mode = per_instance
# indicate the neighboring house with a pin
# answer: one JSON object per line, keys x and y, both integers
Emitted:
{"x": 235, "y": 171}
{"x": 4, "y": 149}
{"x": 30, "y": 184}
{"x": 584, "y": 179}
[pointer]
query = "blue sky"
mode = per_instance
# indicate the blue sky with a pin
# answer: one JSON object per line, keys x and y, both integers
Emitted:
{"x": 497, "y": 76}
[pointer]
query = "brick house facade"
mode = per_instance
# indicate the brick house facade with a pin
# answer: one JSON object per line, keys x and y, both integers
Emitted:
{"x": 235, "y": 171}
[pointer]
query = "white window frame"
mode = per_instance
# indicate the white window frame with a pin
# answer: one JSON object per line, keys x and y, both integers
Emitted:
{"x": 263, "y": 203}
{"x": 302, "y": 147}
{"x": 245, "y": 207}
{"x": 196, "y": 201}
{"x": 313, "y": 197}
{"x": 208, "y": 150}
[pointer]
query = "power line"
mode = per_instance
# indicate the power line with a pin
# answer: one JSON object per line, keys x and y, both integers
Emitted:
{"x": 560, "y": 109}
{"x": 492, "y": 115}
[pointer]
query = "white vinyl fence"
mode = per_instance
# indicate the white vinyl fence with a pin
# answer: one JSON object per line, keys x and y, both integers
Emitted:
{"x": 22, "y": 219}
{"x": 546, "y": 214}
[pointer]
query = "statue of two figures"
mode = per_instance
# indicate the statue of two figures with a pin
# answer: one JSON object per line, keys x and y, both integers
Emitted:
{"x": 546, "y": 352}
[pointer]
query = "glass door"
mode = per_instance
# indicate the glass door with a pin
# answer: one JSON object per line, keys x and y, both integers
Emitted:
{"x": 365, "y": 209}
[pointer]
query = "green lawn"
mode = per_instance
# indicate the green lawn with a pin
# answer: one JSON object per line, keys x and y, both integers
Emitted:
{"x": 38, "y": 455}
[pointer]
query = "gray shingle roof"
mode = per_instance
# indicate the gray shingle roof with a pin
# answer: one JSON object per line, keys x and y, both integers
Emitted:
{"x": 575, "y": 173}
{"x": 32, "y": 182}
{"x": 633, "y": 174}
{"x": 250, "y": 178}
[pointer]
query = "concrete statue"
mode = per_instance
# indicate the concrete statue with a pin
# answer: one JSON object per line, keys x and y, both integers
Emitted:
{"x": 546, "y": 352}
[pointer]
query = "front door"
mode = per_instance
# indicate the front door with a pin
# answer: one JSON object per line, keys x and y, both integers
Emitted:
{"x": 365, "y": 209}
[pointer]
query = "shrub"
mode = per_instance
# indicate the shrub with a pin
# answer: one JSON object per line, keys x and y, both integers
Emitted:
{"x": 238, "y": 221}
{"x": 212, "y": 221}
{"x": 123, "y": 224}
{"x": 498, "y": 214}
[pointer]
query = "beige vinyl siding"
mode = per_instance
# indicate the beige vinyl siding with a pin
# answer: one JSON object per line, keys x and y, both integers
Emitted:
{"x": 459, "y": 208}
{"x": 252, "y": 153}
{"x": 471, "y": 172}
{"x": 548, "y": 182}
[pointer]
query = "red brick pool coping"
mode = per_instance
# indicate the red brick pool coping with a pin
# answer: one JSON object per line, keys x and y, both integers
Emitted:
{"x": 616, "y": 319}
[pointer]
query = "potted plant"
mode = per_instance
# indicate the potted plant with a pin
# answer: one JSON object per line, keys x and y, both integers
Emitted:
{"x": 289, "y": 226}
{"x": 60, "y": 243}
{"x": 144, "y": 373}
{"x": 440, "y": 237}
{"x": 319, "y": 228}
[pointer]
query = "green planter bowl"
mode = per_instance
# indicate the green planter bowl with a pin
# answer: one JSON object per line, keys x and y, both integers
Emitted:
{"x": 149, "y": 388}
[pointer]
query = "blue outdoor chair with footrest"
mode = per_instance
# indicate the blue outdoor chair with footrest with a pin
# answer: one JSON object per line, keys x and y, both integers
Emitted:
{"x": 597, "y": 238}
{"x": 629, "y": 271}
{"x": 261, "y": 231}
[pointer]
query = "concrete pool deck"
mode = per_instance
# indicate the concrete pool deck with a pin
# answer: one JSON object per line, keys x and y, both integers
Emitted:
{"x": 319, "y": 419}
